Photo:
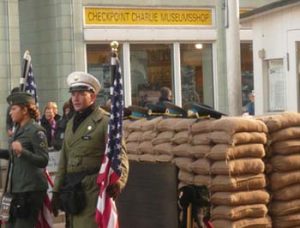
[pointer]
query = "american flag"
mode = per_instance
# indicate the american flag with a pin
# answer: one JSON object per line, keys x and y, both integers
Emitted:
{"x": 110, "y": 172}
{"x": 30, "y": 86}
{"x": 44, "y": 218}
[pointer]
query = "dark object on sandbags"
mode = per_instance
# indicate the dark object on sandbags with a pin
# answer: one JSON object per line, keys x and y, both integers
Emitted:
{"x": 200, "y": 110}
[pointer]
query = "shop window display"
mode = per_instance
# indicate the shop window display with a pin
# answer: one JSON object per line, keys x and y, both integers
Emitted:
{"x": 151, "y": 69}
{"x": 98, "y": 59}
{"x": 196, "y": 73}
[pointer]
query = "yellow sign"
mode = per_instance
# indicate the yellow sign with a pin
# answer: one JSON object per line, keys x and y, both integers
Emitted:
{"x": 129, "y": 16}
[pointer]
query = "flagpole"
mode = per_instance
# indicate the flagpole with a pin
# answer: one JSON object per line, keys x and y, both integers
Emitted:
{"x": 114, "y": 58}
{"x": 27, "y": 62}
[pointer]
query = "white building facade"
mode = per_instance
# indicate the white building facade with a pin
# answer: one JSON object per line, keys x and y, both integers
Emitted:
{"x": 276, "y": 56}
{"x": 174, "y": 43}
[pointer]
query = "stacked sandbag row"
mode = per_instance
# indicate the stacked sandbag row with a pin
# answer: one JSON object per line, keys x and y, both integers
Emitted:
{"x": 238, "y": 183}
{"x": 139, "y": 136}
{"x": 190, "y": 145}
{"x": 162, "y": 143}
{"x": 284, "y": 171}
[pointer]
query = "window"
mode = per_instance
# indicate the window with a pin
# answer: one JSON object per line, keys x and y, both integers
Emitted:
{"x": 151, "y": 69}
{"x": 246, "y": 71}
{"x": 276, "y": 85}
{"x": 98, "y": 64}
{"x": 197, "y": 73}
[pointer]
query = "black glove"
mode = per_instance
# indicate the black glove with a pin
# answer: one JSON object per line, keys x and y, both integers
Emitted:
{"x": 114, "y": 190}
{"x": 55, "y": 203}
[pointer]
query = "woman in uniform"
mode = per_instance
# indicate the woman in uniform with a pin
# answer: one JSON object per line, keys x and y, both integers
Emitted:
{"x": 28, "y": 156}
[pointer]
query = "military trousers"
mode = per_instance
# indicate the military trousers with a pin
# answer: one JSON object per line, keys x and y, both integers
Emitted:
{"x": 35, "y": 199}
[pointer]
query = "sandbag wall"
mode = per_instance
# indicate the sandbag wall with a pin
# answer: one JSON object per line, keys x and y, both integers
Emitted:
{"x": 283, "y": 163}
{"x": 225, "y": 155}
{"x": 238, "y": 183}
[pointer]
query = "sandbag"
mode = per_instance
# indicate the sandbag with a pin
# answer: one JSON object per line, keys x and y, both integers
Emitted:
{"x": 202, "y": 126}
{"x": 286, "y": 134}
{"x": 185, "y": 176}
{"x": 184, "y": 124}
{"x": 286, "y": 147}
{"x": 232, "y": 125}
{"x": 281, "y": 180}
{"x": 163, "y": 137}
{"x": 239, "y": 212}
{"x": 243, "y": 223}
{"x": 283, "y": 120}
{"x": 148, "y": 157}
{"x": 240, "y": 198}
{"x": 291, "y": 192}
{"x": 240, "y": 183}
{"x": 133, "y": 148}
{"x": 285, "y": 163}
{"x": 146, "y": 147}
{"x": 164, "y": 158}
{"x": 125, "y": 134}
{"x": 201, "y": 166}
{"x": 150, "y": 125}
{"x": 222, "y": 137}
{"x": 280, "y": 208}
{"x": 167, "y": 124}
{"x": 126, "y": 124}
{"x": 181, "y": 137}
{"x": 286, "y": 221}
{"x": 136, "y": 125}
{"x": 227, "y": 152}
{"x": 164, "y": 148}
{"x": 201, "y": 139}
{"x": 202, "y": 180}
{"x": 149, "y": 135}
{"x": 184, "y": 163}
{"x": 133, "y": 157}
{"x": 200, "y": 151}
{"x": 183, "y": 150}
{"x": 134, "y": 136}
{"x": 238, "y": 167}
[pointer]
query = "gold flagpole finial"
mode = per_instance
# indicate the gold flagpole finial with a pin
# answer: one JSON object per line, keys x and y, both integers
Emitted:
{"x": 114, "y": 46}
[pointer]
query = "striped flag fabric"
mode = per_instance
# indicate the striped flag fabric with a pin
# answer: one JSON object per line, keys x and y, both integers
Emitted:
{"x": 30, "y": 86}
{"x": 45, "y": 218}
{"x": 110, "y": 172}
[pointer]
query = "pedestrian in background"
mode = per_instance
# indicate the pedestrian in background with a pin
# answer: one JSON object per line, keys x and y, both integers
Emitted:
{"x": 250, "y": 105}
{"x": 61, "y": 125}
{"x": 49, "y": 121}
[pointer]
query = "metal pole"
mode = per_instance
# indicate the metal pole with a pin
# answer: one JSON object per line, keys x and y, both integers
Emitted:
{"x": 233, "y": 59}
{"x": 220, "y": 83}
{"x": 27, "y": 62}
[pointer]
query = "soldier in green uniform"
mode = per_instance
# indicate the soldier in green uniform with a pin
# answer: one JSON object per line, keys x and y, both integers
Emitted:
{"x": 82, "y": 151}
{"x": 29, "y": 156}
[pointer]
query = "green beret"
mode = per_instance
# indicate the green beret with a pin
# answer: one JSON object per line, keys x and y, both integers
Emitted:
{"x": 19, "y": 98}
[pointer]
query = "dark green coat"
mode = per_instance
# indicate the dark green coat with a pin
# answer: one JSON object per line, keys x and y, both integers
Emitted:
{"x": 28, "y": 169}
{"x": 83, "y": 151}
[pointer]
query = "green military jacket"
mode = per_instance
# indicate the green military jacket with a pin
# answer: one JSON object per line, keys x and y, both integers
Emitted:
{"x": 28, "y": 168}
{"x": 84, "y": 149}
